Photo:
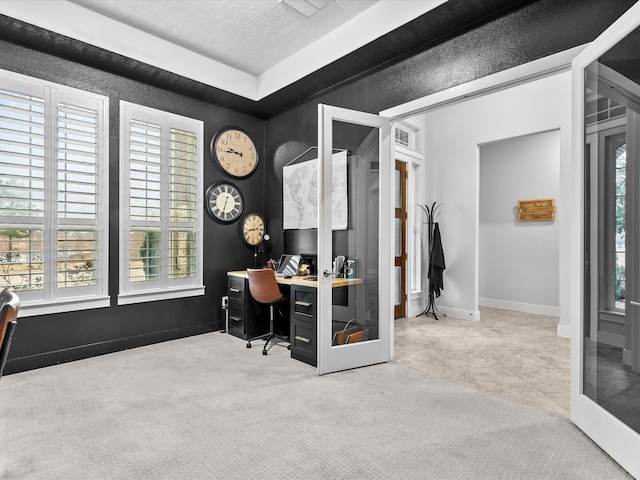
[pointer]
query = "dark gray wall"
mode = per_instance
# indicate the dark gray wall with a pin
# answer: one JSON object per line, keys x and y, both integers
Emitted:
{"x": 49, "y": 339}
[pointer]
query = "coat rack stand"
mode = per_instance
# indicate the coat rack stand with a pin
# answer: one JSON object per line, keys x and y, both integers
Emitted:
{"x": 436, "y": 261}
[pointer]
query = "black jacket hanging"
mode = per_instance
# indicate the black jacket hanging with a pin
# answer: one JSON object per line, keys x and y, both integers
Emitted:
{"x": 436, "y": 263}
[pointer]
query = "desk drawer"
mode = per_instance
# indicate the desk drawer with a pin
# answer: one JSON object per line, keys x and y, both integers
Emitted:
{"x": 304, "y": 303}
{"x": 303, "y": 341}
{"x": 236, "y": 289}
{"x": 236, "y": 321}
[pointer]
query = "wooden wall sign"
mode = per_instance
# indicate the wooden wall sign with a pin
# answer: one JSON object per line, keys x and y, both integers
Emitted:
{"x": 537, "y": 210}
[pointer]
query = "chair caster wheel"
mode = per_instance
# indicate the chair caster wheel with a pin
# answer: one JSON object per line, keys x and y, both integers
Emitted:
{"x": 288, "y": 347}
{"x": 248, "y": 344}
{"x": 264, "y": 352}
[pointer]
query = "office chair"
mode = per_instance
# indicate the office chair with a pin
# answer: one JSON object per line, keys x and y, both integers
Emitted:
{"x": 264, "y": 289}
{"x": 9, "y": 305}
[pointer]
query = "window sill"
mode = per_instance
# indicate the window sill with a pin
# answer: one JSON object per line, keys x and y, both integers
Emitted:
{"x": 61, "y": 305}
{"x": 615, "y": 316}
{"x": 154, "y": 295}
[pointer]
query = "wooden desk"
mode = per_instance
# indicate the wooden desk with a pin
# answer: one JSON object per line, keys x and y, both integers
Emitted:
{"x": 248, "y": 318}
{"x": 335, "y": 283}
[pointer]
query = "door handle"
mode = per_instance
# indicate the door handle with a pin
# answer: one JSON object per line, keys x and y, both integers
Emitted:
{"x": 635, "y": 304}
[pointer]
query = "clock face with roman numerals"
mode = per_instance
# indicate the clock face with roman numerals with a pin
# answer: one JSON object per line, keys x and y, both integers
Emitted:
{"x": 253, "y": 229}
{"x": 224, "y": 202}
{"x": 234, "y": 151}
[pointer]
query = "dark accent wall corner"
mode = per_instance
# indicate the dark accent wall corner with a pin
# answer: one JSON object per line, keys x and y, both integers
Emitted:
{"x": 49, "y": 339}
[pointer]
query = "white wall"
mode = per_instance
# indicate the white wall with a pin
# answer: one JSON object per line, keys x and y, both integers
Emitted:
{"x": 519, "y": 261}
{"x": 453, "y": 136}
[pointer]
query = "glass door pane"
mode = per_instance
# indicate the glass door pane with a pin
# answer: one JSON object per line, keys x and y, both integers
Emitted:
{"x": 611, "y": 372}
{"x": 354, "y": 240}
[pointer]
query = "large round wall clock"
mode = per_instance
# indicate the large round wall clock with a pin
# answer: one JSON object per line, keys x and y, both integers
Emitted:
{"x": 253, "y": 229}
{"x": 224, "y": 202}
{"x": 234, "y": 151}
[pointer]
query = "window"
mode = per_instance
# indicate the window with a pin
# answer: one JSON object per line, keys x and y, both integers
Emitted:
{"x": 53, "y": 195}
{"x": 607, "y": 144}
{"x": 614, "y": 218}
{"x": 405, "y": 135}
{"x": 160, "y": 207}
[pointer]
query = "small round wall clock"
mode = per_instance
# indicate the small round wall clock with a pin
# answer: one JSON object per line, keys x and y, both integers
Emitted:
{"x": 224, "y": 202}
{"x": 252, "y": 229}
{"x": 234, "y": 151}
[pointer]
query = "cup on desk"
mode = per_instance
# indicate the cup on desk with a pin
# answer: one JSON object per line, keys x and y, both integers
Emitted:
{"x": 350, "y": 269}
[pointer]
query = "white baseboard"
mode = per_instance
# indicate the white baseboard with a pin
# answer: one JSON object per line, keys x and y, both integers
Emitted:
{"x": 520, "y": 307}
{"x": 564, "y": 331}
{"x": 612, "y": 339}
{"x": 458, "y": 313}
{"x": 627, "y": 357}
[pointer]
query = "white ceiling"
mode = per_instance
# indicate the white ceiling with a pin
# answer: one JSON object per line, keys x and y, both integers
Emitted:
{"x": 250, "y": 35}
{"x": 248, "y": 47}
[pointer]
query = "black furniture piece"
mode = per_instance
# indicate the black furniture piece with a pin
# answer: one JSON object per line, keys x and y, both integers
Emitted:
{"x": 304, "y": 344}
{"x": 264, "y": 289}
{"x": 246, "y": 317}
{"x": 436, "y": 262}
{"x": 9, "y": 306}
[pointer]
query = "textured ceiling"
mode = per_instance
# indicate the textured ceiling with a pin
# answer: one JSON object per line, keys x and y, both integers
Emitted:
{"x": 250, "y": 35}
{"x": 67, "y": 30}
{"x": 250, "y": 48}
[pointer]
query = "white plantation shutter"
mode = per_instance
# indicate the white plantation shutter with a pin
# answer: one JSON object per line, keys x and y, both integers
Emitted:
{"x": 78, "y": 148}
{"x": 161, "y": 216}
{"x": 21, "y": 155}
{"x": 22, "y": 190}
{"x": 182, "y": 203}
{"x": 53, "y": 194}
{"x": 144, "y": 155}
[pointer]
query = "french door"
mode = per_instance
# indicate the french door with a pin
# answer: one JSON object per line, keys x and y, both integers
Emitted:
{"x": 605, "y": 357}
{"x": 355, "y": 212}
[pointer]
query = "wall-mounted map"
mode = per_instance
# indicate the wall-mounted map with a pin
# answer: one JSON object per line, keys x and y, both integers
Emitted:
{"x": 300, "y": 194}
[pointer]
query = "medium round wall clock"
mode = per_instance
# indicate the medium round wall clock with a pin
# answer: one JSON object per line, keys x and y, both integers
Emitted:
{"x": 234, "y": 151}
{"x": 252, "y": 229}
{"x": 224, "y": 202}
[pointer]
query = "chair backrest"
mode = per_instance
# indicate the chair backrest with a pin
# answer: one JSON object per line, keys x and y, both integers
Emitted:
{"x": 263, "y": 285}
{"x": 9, "y": 306}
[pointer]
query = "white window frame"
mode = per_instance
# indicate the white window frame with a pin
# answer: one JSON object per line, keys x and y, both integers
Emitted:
{"x": 411, "y": 132}
{"x": 165, "y": 288}
{"x": 52, "y": 299}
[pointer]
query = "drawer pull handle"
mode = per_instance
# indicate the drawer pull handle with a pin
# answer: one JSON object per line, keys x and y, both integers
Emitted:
{"x": 234, "y": 290}
{"x": 234, "y": 318}
{"x": 302, "y": 339}
{"x": 304, "y": 314}
{"x": 303, "y": 304}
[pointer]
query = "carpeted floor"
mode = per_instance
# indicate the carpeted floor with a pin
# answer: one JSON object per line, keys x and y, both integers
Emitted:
{"x": 205, "y": 407}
